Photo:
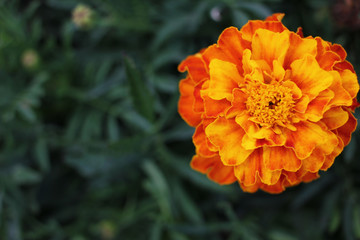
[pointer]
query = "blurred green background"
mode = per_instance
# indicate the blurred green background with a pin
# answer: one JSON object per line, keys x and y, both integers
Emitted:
{"x": 92, "y": 146}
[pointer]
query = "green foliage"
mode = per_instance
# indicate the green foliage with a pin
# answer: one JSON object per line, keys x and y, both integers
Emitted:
{"x": 92, "y": 147}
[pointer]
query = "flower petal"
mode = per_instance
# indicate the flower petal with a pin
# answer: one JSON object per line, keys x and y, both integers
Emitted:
{"x": 224, "y": 77}
{"x": 275, "y": 17}
{"x": 339, "y": 50}
{"x": 329, "y": 159}
{"x": 298, "y": 47}
{"x": 232, "y": 44}
{"x": 318, "y": 106}
{"x": 309, "y": 77}
{"x": 314, "y": 162}
{"x": 238, "y": 105}
{"x": 227, "y": 136}
{"x": 307, "y": 136}
{"x": 335, "y": 118}
{"x": 222, "y": 174}
{"x": 195, "y": 67}
{"x": 254, "y": 131}
{"x": 215, "y": 108}
{"x": 278, "y": 158}
{"x": 199, "y": 139}
{"x": 198, "y": 101}
{"x": 202, "y": 164}
{"x": 254, "y": 167}
{"x": 269, "y": 46}
{"x": 215, "y": 170}
{"x": 186, "y": 102}
{"x": 344, "y": 132}
{"x": 250, "y": 28}
{"x": 341, "y": 96}
{"x": 350, "y": 82}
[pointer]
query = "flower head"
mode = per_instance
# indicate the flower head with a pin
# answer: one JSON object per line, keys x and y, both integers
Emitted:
{"x": 82, "y": 16}
{"x": 30, "y": 59}
{"x": 271, "y": 108}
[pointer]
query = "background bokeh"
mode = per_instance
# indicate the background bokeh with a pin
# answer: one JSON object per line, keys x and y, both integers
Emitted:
{"x": 92, "y": 146}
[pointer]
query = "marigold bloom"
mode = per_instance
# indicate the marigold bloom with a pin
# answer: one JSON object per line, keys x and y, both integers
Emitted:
{"x": 271, "y": 108}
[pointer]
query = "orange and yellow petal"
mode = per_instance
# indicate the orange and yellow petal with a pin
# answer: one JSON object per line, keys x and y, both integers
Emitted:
{"x": 309, "y": 77}
{"x": 200, "y": 142}
{"x": 214, "y": 169}
{"x": 186, "y": 102}
{"x": 226, "y": 134}
{"x": 269, "y": 46}
{"x": 250, "y": 28}
{"x": 253, "y": 168}
{"x": 278, "y": 158}
{"x": 195, "y": 67}
{"x": 224, "y": 77}
{"x": 304, "y": 140}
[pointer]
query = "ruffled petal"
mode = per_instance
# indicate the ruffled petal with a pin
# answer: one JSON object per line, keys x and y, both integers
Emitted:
{"x": 304, "y": 140}
{"x": 215, "y": 108}
{"x": 224, "y": 77}
{"x": 254, "y": 167}
{"x": 341, "y": 96}
{"x": 214, "y": 169}
{"x": 195, "y": 66}
{"x": 186, "y": 102}
{"x": 270, "y": 46}
{"x": 329, "y": 159}
{"x": 199, "y": 139}
{"x": 227, "y": 136}
{"x": 238, "y": 105}
{"x": 298, "y": 47}
{"x": 314, "y": 162}
{"x": 344, "y": 132}
{"x": 344, "y": 65}
{"x": 317, "y": 107}
{"x": 250, "y": 28}
{"x": 337, "y": 48}
{"x": 309, "y": 77}
{"x": 335, "y": 118}
{"x": 281, "y": 158}
{"x": 275, "y": 17}
{"x": 232, "y": 44}
{"x": 198, "y": 105}
{"x": 350, "y": 82}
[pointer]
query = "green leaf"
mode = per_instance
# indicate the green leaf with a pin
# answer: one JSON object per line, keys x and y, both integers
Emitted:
{"x": 188, "y": 206}
{"x": 348, "y": 218}
{"x": 281, "y": 235}
{"x": 25, "y": 176}
{"x": 335, "y": 221}
{"x": 26, "y": 112}
{"x": 140, "y": 93}
{"x": 157, "y": 185}
{"x": 156, "y": 230}
{"x": 113, "y": 131}
{"x": 356, "y": 221}
{"x": 42, "y": 154}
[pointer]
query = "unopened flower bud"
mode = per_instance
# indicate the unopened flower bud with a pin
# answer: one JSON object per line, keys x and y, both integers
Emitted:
{"x": 30, "y": 59}
{"x": 82, "y": 16}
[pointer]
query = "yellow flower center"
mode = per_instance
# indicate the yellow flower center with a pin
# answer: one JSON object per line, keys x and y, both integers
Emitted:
{"x": 269, "y": 104}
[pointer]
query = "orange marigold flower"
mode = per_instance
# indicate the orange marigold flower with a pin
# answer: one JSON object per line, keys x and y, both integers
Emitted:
{"x": 271, "y": 108}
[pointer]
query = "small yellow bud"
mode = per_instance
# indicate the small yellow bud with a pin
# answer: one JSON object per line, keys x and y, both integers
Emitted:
{"x": 82, "y": 16}
{"x": 30, "y": 59}
{"x": 107, "y": 230}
